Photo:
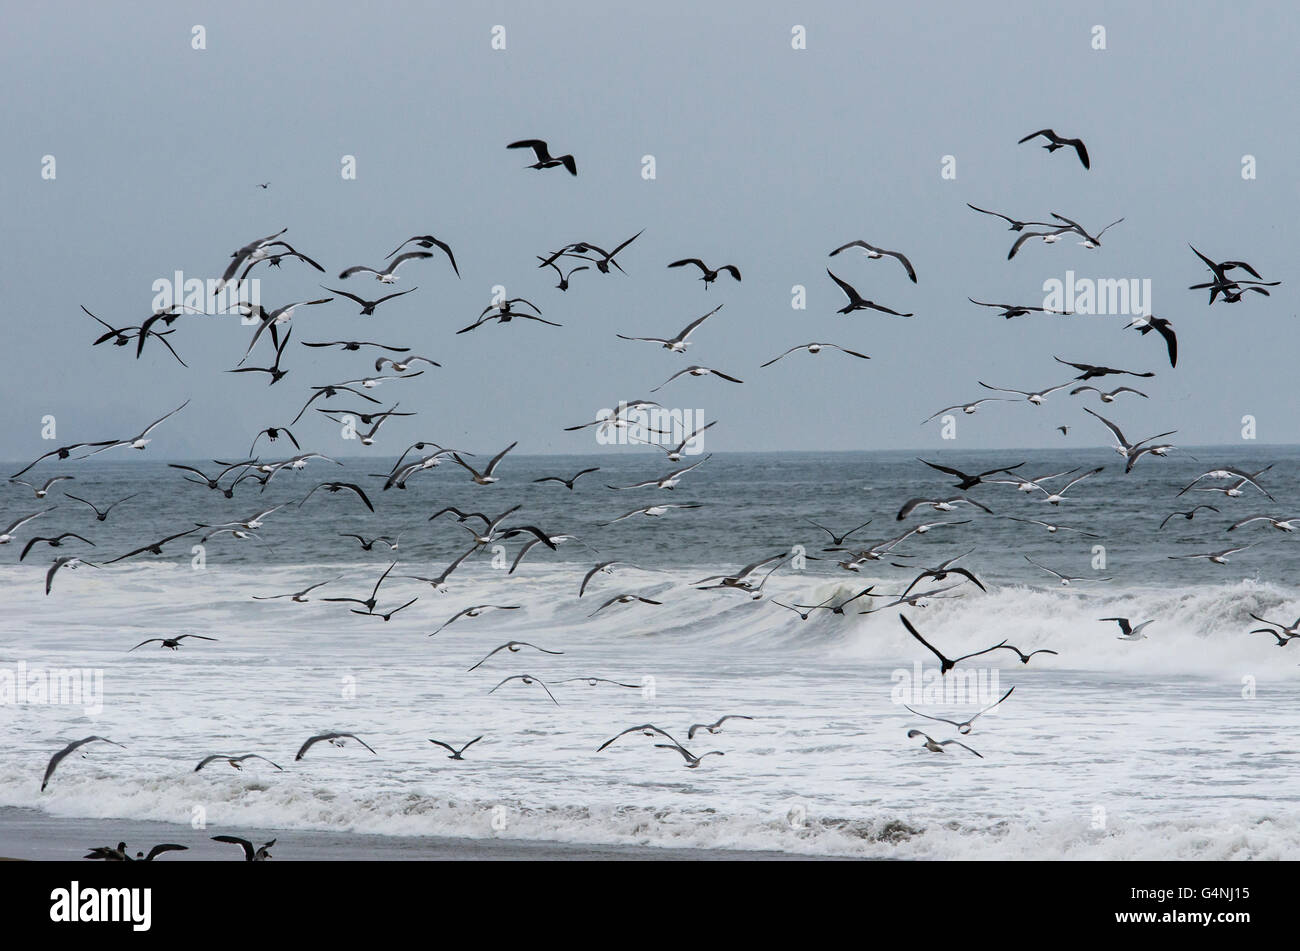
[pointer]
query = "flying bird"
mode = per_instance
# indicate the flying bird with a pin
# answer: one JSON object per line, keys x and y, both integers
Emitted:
{"x": 58, "y": 757}
{"x": 1055, "y": 142}
{"x": 876, "y": 254}
{"x": 544, "y": 157}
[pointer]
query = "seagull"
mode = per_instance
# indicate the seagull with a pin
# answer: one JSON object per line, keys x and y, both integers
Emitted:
{"x": 967, "y": 481}
{"x": 63, "y": 452}
{"x": 71, "y": 561}
{"x": 402, "y": 365}
{"x": 100, "y": 515}
{"x": 942, "y": 571}
{"x": 876, "y": 254}
{"x": 455, "y": 753}
{"x": 1240, "y": 478}
{"x": 1015, "y": 225}
{"x": 696, "y": 371}
{"x": 606, "y": 567}
{"x": 836, "y": 539}
{"x": 606, "y": 257}
{"x": 1089, "y": 241}
{"x": 367, "y": 310}
{"x": 502, "y": 313}
{"x": 679, "y": 343}
{"x": 593, "y": 681}
{"x": 945, "y": 664}
{"x": 370, "y": 382}
{"x": 1024, "y": 658}
{"x": 1056, "y": 497}
{"x": 544, "y": 157}
{"x": 386, "y": 615}
{"x": 389, "y": 274}
{"x": 253, "y": 250}
{"x": 440, "y": 582}
{"x": 1165, "y": 328}
{"x": 513, "y": 647}
{"x": 1188, "y": 515}
{"x": 648, "y": 729}
{"x": 427, "y": 241}
{"x": 119, "y": 854}
{"x": 963, "y": 727}
{"x": 1221, "y": 269}
{"x": 668, "y": 481}
{"x": 676, "y": 451}
{"x": 656, "y": 510}
{"x": 564, "y": 278}
{"x": 968, "y": 408}
{"x": 334, "y": 488}
{"x": 803, "y": 615}
{"x": 7, "y": 535}
{"x": 1052, "y": 528}
{"x": 1029, "y": 485}
{"x": 140, "y": 441}
{"x": 709, "y": 275}
{"x": 368, "y": 544}
{"x": 939, "y": 505}
{"x": 234, "y": 761}
{"x": 485, "y": 477}
{"x": 1049, "y": 237}
{"x": 623, "y": 599}
{"x": 815, "y": 348}
{"x": 1218, "y": 557}
{"x": 1107, "y": 397}
{"x": 1122, "y": 445}
{"x": 1289, "y": 524}
{"x": 617, "y": 420}
{"x": 171, "y": 643}
{"x": 153, "y": 549}
{"x": 273, "y": 371}
{"x": 833, "y": 608}
{"x": 56, "y": 541}
{"x": 1020, "y": 310}
{"x": 370, "y": 602}
{"x": 1290, "y": 631}
{"x": 273, "y": 319}
{"x": 42, "y": 490}
{"x": 274, "y": 259}
{"x": 272, "y": 433}
{"x": 715, "y": 726}
{"x": 938, "y": 747}
{"x": 1091, "y": 371}
{"x": 1129, "y": 632}
{"x": 1065, "y": 579}
{"x": 858, "y": 302}
{"x": 568, "y": 483}
{"x": 58, "y": 757}
{"x": 1277, "y": 636}
{"x": 475, "y": 611}
{"x": 1031, "y": 396}
{"x": 528, "y": 679}
{"x": 1055, "y": 142}
{"x": 692, "y": 761}
{"x": 251, "y": 854}
{"x": 329, "y": 392}
{"x": 335, "y": 739}
{"x": 298, "y": 596}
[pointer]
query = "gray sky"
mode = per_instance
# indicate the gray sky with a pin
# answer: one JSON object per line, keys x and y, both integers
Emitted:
{"x": 767, "y": 158}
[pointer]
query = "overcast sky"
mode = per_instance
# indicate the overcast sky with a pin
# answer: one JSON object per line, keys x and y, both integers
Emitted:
{"x": 766, "y": 157}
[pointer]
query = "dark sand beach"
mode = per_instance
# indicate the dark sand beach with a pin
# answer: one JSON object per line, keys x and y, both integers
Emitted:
{"x": 27, "y": 834}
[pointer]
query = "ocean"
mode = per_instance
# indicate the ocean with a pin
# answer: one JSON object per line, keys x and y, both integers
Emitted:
{"x": 1179, "y": 745}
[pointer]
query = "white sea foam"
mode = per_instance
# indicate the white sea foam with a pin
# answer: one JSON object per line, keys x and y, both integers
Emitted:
{"x": 1153, "y": 749}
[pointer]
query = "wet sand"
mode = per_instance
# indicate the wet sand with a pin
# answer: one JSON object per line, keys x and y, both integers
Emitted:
{"x": 27, "y": 834}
